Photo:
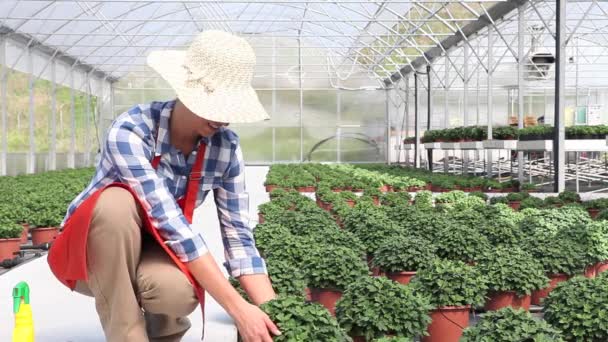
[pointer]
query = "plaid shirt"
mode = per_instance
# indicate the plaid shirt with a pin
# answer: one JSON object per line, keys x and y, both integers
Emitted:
{"x": 130, "y": 147}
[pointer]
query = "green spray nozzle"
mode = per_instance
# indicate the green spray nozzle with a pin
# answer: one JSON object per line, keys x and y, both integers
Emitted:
{"x": 21, "y": 290}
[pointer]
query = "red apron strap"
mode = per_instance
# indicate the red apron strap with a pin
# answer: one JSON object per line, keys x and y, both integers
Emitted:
{"x": 193, "y": 186}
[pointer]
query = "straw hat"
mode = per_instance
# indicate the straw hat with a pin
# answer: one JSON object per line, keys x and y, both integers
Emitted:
{"x": 213, "y": 77}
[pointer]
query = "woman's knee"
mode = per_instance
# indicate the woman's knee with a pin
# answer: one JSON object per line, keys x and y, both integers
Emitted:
{"x": 166, "y": 292}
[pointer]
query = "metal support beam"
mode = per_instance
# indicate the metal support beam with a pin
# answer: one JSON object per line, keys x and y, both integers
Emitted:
{"x": 446, "y": 95}
{"x": 72, "y": 154}
{"x": 339, "y": 126}
{"x": 490, "y": 98}
{"x": 3, "y": 79}
{"x": 87, "y": 123}
{"x": 53, "y": 133}
{"x": 388, "y": 127}
{"x": 520, "y": 84}
{"x": 500, "y": 10}
{"x": 406, "y": 114}
{"x": 465, "y": 95}
{"x": 31, "y": 157}
{"x": 429, "y": 112}
{"x": 301, "y": 99}
{"x": 560, "y": 96}
{"x": 416, "y": 124}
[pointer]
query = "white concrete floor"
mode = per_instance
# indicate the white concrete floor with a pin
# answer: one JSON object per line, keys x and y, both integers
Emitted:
{"x": 63, "y": 316}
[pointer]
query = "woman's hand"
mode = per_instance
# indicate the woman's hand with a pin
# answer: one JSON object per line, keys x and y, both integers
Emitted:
{"x": 253, "y": 324}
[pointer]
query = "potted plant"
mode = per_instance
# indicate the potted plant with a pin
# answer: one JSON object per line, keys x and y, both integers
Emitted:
{"x": 502, "y": 226}
{"x": 396, "y": 199}
{"x": 578, "y": 308}
{"x": 452, "y": 287}
{"x": 515, "y": 199}
{"x": 528, "y": 187}
{"x": 595, "y": 206}
{"x": 552, "y": 201}
{"x": 531, "y": 203}
{"x": 511, "y": 325}
{"x": 569, "y": 197}
{"x": 423, "y": 199}
{"x": 499, "y": 199}
{"x": 286, "y": 277}
{"x": 270, "y": 235}
{"x": 505, "y": 133}
{"x": 399, "y": 258}
{"x": 349, "y": 197}
{"x": 374, "y": 307}
{"x": 560, "y": 259}
{"x": 44, "y": 226}
{"x": 479, "y": 194}
{"x": 460, "y": 241}
{"x": 10, "y": 239}
{"x": 511, "y": 276}
{"x": 330, "y": 269}
{"x": 592, "y": 240}
{"x": 299, "y": 321}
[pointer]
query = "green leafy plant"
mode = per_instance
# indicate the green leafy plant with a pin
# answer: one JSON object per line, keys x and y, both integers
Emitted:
{"x": 371, "y": 225}
{"x": 373, "y": 307}
{"x": 10, "y": 230}
{"x": 517, "y": 196}
{"x": 45, "y": 218}
{"x": 577, "y": 307}
{"x": 286, "y": 277}
{"x": 557, "y": 255}
{"x": 591, "y": 239}
{"x": 423, "y": 199}
{"x": 499, "y": 199}
{"x": 395, "y": 199}
{"x": 333, "y": 267}
{"x": 458, "y": 241}
{"x": 303, "y": 322}
{"x": 505, "y": 133}
{"x": 509, "y": 269}
{"x": 403, "y": 254}
{"x": 531, "y": 202}
{"x": 393, "y": 339}
{"x": 510, "y": 325}
{"x": 479, "y": 194}
{"x": 502, "y": 226}
{"x": 451, "y": 283}
{"x": 603, "y": 215}
{"x": 569, "y": 197}
{"x": 270, "y": 235}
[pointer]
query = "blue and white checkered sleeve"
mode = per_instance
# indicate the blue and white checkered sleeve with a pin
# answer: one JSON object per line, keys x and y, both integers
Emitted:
{"x": 130, "y": 153}
{"x": 232, "y": 201}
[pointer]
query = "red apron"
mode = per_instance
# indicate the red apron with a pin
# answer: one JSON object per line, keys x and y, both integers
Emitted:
{"x": 68, "y": 256}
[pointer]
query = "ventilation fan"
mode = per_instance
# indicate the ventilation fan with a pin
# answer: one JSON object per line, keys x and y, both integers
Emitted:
{"x": 541, "y": 59}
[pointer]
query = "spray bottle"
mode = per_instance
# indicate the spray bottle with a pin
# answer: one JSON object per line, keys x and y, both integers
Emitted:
{"x": 24, "y": 324}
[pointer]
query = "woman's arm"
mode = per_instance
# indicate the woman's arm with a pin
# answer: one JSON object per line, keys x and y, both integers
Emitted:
{"x": 253, "y": 324}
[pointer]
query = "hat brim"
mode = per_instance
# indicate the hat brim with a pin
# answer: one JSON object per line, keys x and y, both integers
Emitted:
{"x": 230, "y": 105}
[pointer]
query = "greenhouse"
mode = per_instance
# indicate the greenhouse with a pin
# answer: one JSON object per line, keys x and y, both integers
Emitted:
{"x": 391, "y": 170}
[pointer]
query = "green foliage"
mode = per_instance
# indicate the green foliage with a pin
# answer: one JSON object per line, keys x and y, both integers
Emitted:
{"x": 303, "y": 322}
{"x": 461, "y": 241}
{"x": 510, "y": 325}
{"x": 505, "y": 133}
{"x": 569, "y": 197}
{"x": 423, "y": 199}
{"x": 459, "y": 200}
{"x": 371, "y": 225}
{"x": 270, "y": 235}
{"x": 531, "y": 203}
{"x": 578, "y": 308}
{"x": 393, "y": 339}
{"x": 395, "y": 199}
{"x": 425, "y": 222}
{"x": 451, "y": 283}
{"x": 499, "y": 199}
{"x": 404, "y": 254}
{"x": 557, "y": 255}
{"x": 373, "y": 307}
{"x": 512, "y": 269}
{"x": 10, "y": 230}
{"x": 502, "y": 225}
{"x": 591, "y": 239}
{"x": 553, "y": 220}
{"x": 479, "y": 194}
{"x": 333, "y": 267}
{"x": 287, "y": 278}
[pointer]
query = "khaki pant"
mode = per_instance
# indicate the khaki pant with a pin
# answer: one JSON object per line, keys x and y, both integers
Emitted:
{"x": 140, "y": 295}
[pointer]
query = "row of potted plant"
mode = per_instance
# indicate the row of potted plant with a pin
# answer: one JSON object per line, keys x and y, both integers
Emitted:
{"x": 479, "y": 133}
{"x": 34, "y": 205}
{"x": 395, "y": 238}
